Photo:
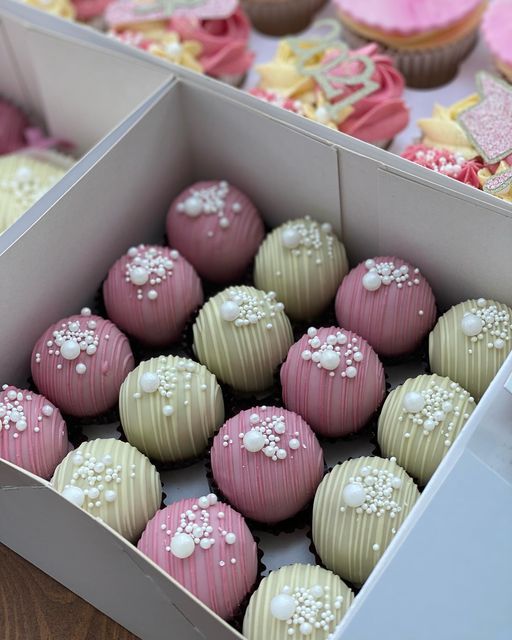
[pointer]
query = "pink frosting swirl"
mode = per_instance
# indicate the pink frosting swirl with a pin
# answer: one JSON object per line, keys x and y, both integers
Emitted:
{"x": 89, "y": 9}
{"x": 446, "y": 162}
{"x": 224, "y": 42}
{"x": 382, "y": 114}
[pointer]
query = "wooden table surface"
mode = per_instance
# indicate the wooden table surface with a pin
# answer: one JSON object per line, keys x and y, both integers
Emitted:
{"x": 33, "y": 606}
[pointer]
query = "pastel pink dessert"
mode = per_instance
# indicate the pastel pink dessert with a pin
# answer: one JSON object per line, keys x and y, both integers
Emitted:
{"x": 334, "y": 380}
{"x": 206, "y": 546}
{"x": 80, "y": 362}
{"x": 13, "y": 126}
{"x": 497, "y": 33}
{"x": 267, "y": 462}
{"x": 280, "y": 101}
{"x": 217, "y": 228}
{"x": 89, "y": 9}
{"x": 33, "y": 434}
{"x": 225, "y": 53}
{"x": 151, "y": 292}
{"x": 380, "y": 115}
{"x": 387, "y": 301}
{"x": 445, "y": 162}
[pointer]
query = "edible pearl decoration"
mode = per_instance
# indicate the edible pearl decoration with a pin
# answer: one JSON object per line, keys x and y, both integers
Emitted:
{"x": 329, "y": 353}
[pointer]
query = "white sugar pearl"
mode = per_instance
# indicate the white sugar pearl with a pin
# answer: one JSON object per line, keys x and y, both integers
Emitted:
{"x": 193, "y": 206}
{"x": 77, "y": 459}
{"x": 139, "y": 276}
{"x": 447, "y": 407}
{"x": 81, "y": 368}
{"x": 369, "y": 264}
{"x": 203, "y": 502}
{"x": 282, "y": 606}
{"x": 351, "y": 372}
{"x": 499, "y": 343}
{"x": 471, "y": 324}
{"x": 93, "y": 493}
{"x": 167, "y": 410}
{"x": 21, "y": 425}
{"x": 439, "y": 416}
{"x": 212, "y": 499}
{"x": 413, "y": 402}
{"x": 353, "y": 495}
{"x": 229, "y": 311}
{"x": 358, "y": 356}
{"x": 182, "y": 546}
{"x": 74, "y": 495}
{"x": 294, "y": 443}
{"x": 254, "y": 441}
{"x": 205, "y": 543}
{"x": 281, "y": 454}
{"x": 149, "y": 382}
{"x": 330, "y": 360}
{"x": 306, "y": 629}
{"x": 312, "y": 332}
{"x": 429, "y": 425}
{"x": 230, "y": 538}
{"x": 12, "y": 395}
{"x": 317, "y": 591}
{"x": 290, "y": 238}
{"x": 372, "y": 281}
{"x": 152, "y": 294}
{"x": 110, "y": 496}
{"x": 70, "y": 350}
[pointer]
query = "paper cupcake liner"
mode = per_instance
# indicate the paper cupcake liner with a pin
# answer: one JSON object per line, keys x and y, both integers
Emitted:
{"x": 426, "y": 68}
{"x": 281, "y": 17}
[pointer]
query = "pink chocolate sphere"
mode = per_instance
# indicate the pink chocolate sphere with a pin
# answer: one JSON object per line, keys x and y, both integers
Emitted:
{"x": 206, "y": 546}
{"x": 80, "y": 362}
{"x": 389, "y": 303}
{"x": 33, "y": 434}
{"x": 334, "y": 380}
{"x": 13, "y": 124}
{"x": 217, "y": 228}
{"x": 267, "y": 478}
{"x": 151, "y": 292}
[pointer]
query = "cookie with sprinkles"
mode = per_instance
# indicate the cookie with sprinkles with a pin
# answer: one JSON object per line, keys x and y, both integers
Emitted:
{"x": 207, "y": 547}
{"x": 217, "y": 228}
{"x": 80, "y": 362}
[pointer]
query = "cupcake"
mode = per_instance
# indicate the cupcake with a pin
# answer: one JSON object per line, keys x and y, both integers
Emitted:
{"x": 151, "y": 292}
{"x": 428, "y": 40}
{"x": 205, "y": 546}
{"x": 13, "y": 126}
{"x": 281, "y": 17}
{"x": 267, "y": 462}
{"x": 113, "y": 482}
{"x": 80, "y": 362}
{"x": 388, "y": 302}
{"x": 298, "y": 600}
{"x": 497, "y": 33}
{"x": 33, "y": 434}
{"x": 217, "y": 228}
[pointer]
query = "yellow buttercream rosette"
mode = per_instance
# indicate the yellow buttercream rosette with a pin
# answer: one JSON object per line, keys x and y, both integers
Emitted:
{"x": 168, "y": 47}
{"x": 61, "y": 8}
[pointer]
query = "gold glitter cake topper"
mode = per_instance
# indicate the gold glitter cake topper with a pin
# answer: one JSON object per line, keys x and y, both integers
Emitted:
{"x": 204, "y": 8}
{"x": 333, "y": 85}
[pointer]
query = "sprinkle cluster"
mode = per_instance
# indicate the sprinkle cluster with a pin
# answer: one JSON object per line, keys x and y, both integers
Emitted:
{"x": 441, "y": 161}
{"x": 305, "y": 238}
{"x": 385, "y": 273}
{"x": 306, "y": 609}
{"x": 12, "y": 412}
{"x": 26, "y": 186}
{"x": 196, "y": 529}
{"x": 486, "y": 321}
{"x": 372, "y": 491}
{"x": 98, "y": 477}
{"x": 244, "y": 309}
{"x": 72, "y": 339}
{"x": 265, "y": 436}
{"x": 328, "y": 355}
{"x": 148, "y": 264}
{"x": 210, "y": 201}
{"x": 165, "y": 381}
{"x": 435, "y": 406}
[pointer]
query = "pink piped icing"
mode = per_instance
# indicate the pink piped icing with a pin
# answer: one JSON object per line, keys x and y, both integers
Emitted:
{"x": 497, "y": 30}
{"x": 217, "y": 228}
{"x": 33, "y": 434}
{"x": 13, "y": 125}
{"x": 274, "y": 98}
{"x": 387, "y": 301}
{"x": 334, "y": 400}
{"x": 87, "y": 381}
{"x": 89, "y": 9}
{"x": 220, "y": 575}
{"x": 445, "y": 162}
{"x": 380, "y": 115}
{"x": 224, "y": 42}
{"x": 151, "y": 292}
{"x": 407, "y": 17}
{"x": 270, "y": 479}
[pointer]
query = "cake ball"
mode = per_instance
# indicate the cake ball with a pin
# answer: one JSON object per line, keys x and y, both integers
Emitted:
{"x": 206, "y": 546}
{"x": 334, "y": 380}
{"x": 113, "y": 482}
{"x": 420, "y": 420}
{"x": 267, "y": 462}
{"x": 80, "y": 362}
{"x": 242, "y": 335}
{"x": 358, "y": 508}
{"x": 33, "y": 434}
{"x": 389, "y": 303}
{"x": 470, "y": 342}
{"x": 151, "y": 292}
{"x": 298, "y": 600}
{"x": 303, "y": 262}
{"x": 169, "y": 408}
{"x": 217, "y": 228}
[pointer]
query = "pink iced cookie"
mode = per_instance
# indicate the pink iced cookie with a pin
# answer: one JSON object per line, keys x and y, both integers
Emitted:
{"x": 206, "y": 546}
{"x": 387, "y": 301}
{"x": 267, "y": 462}
{"x": 334, "y": 380}
{"x": 80, "y": 362}
{"x": 13, "y": 125}
{"x": 151, "y": 292}
{"x": 217, "y": 228}
{"x": 33, "y": 434}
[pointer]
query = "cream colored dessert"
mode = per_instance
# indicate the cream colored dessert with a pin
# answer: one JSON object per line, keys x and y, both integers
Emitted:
{"x": 242, "y": 335}
{"x": 358, "y": 508}
{"x": 169, "y": 408}
{"x": 420, "y": 420}
{"x": 304, "y": 263}
{"x": 470, "y": 342}
{"x": 113, "y": 482}
{"x": 299, "y": 601}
